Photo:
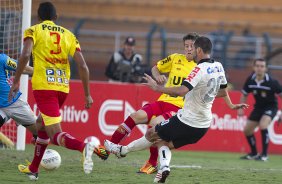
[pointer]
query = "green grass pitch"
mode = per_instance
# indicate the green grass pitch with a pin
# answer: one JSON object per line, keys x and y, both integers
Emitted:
{"x": 207, "y": 167}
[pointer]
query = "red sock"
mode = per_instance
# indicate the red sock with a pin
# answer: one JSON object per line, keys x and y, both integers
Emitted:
{"x": 123, "y": 130}
{"x": 153, "y": 155}
{"x": 40, "y": 147}
{"x": 66, "y": 140}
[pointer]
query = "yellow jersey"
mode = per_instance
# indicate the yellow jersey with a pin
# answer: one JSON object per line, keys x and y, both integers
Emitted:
{"x": 53, "y": 45}
{"x": 178, "y": 68}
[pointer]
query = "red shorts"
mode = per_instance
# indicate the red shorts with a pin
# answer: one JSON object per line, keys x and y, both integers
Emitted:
{"x": 158, "y": 108}
{"x": 49, "y": 103}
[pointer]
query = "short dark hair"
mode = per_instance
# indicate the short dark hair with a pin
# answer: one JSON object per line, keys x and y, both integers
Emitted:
{"x": 191, "y": 36}
{"x": 204, "y": 43}
{"x": 47, "y": 11}
{"x": 259, "y": 59}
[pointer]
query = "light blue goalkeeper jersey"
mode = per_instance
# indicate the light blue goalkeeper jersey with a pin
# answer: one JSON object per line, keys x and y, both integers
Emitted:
{"x": 6, "y": 64}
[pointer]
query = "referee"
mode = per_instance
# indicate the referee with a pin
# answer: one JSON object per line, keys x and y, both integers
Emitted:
{"x": 264, "y": 89}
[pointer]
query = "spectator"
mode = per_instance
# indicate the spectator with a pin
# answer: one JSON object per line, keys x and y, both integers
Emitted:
{"x": 125, "y": 65}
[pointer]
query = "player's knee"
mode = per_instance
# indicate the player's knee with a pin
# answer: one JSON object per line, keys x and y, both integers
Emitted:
{"x": 150, "y": 134}
{"x": 138, "y": 117}
{"x": 247, "y": 131}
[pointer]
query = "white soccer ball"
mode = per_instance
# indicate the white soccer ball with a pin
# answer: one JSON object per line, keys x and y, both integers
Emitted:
{"x": 51, "y": 160}
{"x": 92, "y": 139}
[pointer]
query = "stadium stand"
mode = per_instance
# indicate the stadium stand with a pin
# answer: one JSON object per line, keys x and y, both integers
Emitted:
{"x": 109, "y": 21}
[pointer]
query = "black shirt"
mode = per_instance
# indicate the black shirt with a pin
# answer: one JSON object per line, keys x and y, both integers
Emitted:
{"x": 264, "y": 91}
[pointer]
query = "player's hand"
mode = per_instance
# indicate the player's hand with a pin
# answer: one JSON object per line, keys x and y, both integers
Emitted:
{"x": 239, "y": 106}
{"x": 88, "y": 101}
{"x": 161, "y": 79}
{"x": 150, "y": 82}
{"x": 240, "y": 112}
{"x": 13, "y": 91}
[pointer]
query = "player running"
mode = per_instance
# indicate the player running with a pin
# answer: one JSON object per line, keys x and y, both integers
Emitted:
{"x": 51, "y": 45}
{"x": 264, "y": 88}
{"x": 203, "y": 84}
{"x": 177, "y": 66}
{"x": 17, "y": 109}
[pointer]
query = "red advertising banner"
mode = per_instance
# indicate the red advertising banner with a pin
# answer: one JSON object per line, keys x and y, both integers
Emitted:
{"x": 113, "y": 102}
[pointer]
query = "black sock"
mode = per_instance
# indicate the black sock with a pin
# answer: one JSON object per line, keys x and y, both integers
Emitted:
{"x": 252, "y": 142}
{"x": 265, "y": 141}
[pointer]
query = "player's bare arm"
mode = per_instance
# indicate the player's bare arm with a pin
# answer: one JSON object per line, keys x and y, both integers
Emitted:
{"x": 23, "y": 60}
{"x": 84, "y": 76}
{"x": 243, "y": 99}
{"x": 224, "y": 94}
{"x": 160, "y": 78}
{"x": 173, "y": 91}
{"x": 28, "y": 70}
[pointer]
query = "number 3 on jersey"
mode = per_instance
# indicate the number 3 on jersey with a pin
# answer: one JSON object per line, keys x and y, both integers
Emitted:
{"x": 57, "y": 43}
{"x": 213, "y": 86}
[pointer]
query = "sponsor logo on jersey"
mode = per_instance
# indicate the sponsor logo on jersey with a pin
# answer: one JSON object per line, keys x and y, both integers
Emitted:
{"x": 177, "y": 80}
{"x": 11, "y": 63}
{"x": 52, "y": 28}
{"x": 50, "y": 72}
{"x": 165, "y": 60}
{"x": 215, "y": 69}
{"x": 51, "y": 79}
{"x": 193, "y": 74}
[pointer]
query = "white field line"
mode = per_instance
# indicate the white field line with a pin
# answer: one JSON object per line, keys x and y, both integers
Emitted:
{"x": 187, "y": 166}
{"x": 230, "y": 168}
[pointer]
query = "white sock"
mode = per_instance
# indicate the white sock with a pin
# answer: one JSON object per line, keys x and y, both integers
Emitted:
{"x": 136, "y": 145}
{"x": 165, "y": 156}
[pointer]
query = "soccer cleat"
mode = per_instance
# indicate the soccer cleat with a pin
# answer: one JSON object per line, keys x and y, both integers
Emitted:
{"x": 249, "y": 156}
{"x": 101, "y": 152}
{"x": 87, "y": 157}
{"x": 113, "y": 148}
{"x": 162, "y": 175}
{"x": 262, "y": 158}
{"x": 148, "y": 168}
{"x": 25, "y": 169}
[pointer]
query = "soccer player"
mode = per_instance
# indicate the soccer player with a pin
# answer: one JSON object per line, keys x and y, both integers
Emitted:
{"x": 51, "y": 45}
{"x": 264, "y": 89}
{"x": 190, "y": 124}
{"x": 178, "y": 66}
{"x": 17, "y": 109}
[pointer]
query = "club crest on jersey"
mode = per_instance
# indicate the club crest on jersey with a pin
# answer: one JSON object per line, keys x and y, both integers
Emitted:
{"x": 193, "y": 74}
{"x": 263, "y": 94}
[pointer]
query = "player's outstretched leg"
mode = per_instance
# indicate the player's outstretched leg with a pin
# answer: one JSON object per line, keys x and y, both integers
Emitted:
{"x": 31, "y": 170}
{"x": 66, "y": 140}
{"x": 113, "y": 148}
{"x": 128, "y": 125}
{"x": 122, "y": 151}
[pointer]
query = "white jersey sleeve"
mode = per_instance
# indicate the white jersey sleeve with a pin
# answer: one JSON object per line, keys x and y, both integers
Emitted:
{"x": 193, "y": 78}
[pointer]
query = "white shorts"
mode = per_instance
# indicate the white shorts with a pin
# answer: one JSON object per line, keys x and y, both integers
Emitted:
{"x": 19, "y": 111}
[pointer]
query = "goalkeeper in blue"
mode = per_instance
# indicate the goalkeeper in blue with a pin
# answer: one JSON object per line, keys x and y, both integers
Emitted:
{"x": 16, "y": 109}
